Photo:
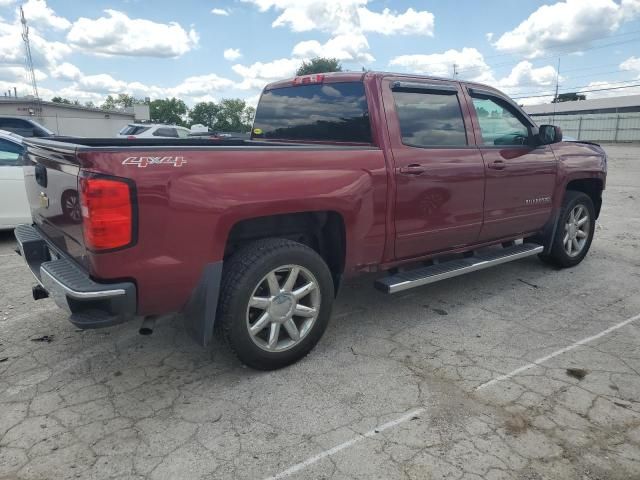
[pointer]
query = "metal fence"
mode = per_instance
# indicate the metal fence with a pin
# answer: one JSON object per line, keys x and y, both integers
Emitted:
{"x": 597, "y": 127}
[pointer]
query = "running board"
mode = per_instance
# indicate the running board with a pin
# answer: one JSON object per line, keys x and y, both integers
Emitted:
{"x": 441, "y": 271}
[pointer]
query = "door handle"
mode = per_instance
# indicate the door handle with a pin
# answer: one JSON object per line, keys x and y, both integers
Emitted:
{"x": 413, "y": 169}
{"x": 498, "y": 165}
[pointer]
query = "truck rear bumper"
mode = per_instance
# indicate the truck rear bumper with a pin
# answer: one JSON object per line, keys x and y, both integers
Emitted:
{"x": 90, "y": 304}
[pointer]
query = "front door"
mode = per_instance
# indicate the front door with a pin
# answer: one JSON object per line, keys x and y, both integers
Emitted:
{"x": 520, "y": 175}
{"x": 438, "y": 171}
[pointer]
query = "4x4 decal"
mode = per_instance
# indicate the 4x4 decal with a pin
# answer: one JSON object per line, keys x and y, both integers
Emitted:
{"x": 143, "y": 162}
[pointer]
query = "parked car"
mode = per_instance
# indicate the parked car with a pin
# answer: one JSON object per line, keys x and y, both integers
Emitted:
{"x": 345, "y": 173}
{"x": 25, "y": 127}
{"x": 14, "y": 207}
{"x": 225, "y": 136}
{"x": 151, "y": 130}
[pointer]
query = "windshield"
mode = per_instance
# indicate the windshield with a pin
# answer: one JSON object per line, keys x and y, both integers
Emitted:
{"x": 335, "y": 112}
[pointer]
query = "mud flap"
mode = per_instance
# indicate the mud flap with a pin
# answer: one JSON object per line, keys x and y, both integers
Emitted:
{"x": 200, "y": 312}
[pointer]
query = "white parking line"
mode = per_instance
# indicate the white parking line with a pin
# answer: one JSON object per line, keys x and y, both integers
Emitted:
{"x": 541, "y": 360}
{"x": 349, "y": 443}
{"x": 309, "y": 461}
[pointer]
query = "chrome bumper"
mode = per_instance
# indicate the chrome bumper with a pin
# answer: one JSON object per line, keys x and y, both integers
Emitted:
{"x": 91, "y": 304}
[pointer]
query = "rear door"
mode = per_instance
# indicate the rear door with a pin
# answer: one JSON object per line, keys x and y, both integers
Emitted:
{"x": 438, "y": 170}
{"x": 14, "y": 207}
{"x": 520, "y": 174}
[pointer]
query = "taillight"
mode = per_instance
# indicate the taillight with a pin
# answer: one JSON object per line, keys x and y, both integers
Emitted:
{"x": 308, "y": 79}
{"x": 107, "y": 213}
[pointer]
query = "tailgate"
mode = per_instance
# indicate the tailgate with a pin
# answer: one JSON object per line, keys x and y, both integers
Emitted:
{"x": 51, "y": 171}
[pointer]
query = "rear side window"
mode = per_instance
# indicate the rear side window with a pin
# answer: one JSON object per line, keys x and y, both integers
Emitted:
{"x": 133, "y": 130}
{"x": 430, "y": 119}
{"x": 165, "y": 132}
{"x": 335, "y": 112}
{"x": 10, "y": 154}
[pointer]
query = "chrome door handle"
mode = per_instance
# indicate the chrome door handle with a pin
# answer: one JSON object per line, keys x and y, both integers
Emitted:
{"x": 497, "y": 165}
{"x": 413, "y": 169}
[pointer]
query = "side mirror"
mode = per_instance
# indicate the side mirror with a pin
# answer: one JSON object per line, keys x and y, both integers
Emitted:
{"x": 548, "y": 134}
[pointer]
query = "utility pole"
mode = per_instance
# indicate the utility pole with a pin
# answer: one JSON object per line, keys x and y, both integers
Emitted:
{"x": 455, "y": 70}
{"x": 555, "y": 98}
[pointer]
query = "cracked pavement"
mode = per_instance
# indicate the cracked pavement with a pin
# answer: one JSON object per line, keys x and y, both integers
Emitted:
{"x": 109, "y": 404}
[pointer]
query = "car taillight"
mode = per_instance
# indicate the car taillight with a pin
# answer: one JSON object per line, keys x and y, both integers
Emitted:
{"x": 107, "y": 213}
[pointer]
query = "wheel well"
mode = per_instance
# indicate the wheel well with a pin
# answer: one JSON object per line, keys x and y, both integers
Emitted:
{"x": 322, "y": 231}
{"x": 590, "y": 186}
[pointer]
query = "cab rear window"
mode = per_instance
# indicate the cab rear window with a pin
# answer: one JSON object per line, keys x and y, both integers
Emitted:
{"x": 334, "y": 112}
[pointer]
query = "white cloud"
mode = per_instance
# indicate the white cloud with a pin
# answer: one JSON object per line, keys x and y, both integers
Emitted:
{"x": 257, "y": 75}
{"x": 346, "y": 16}
{"x": 200, "y": 85}
{"x": 631, "y": 64}
{"x": 19, "y": 74}
{"x": 6, "y": 3}
{"x": 410, "y": 22}
{"x": 346, "y": 47}
{"x": 232, "y": 54}
{"x": 220, "y": 11}
{"x": 38, "y": 13}
{"x": 66, "y": 71}
{"x": 608, "y": 89}
{"x": 569, "y": 22}
{"x": 471, "y": 65}
{"x": 45, "y": 53}
{"x": 468, "y": 61}
{"x": 117, "y": 34}
{"x": 524, "y": 74}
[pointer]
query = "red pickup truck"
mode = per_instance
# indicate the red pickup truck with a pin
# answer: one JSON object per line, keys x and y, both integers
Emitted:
{"x": 421, "y": 178}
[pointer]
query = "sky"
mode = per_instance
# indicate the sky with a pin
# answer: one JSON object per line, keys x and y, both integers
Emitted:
{"x": 206, "y": 50}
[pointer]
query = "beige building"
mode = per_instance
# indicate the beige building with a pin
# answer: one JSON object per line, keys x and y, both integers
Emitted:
{"x": 72, "y": 120}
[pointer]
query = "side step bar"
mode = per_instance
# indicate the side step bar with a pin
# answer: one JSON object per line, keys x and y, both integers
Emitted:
{"x": 441, "y": 271}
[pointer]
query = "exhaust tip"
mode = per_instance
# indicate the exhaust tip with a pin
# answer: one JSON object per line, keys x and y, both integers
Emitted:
{"x": 147, "y": 325}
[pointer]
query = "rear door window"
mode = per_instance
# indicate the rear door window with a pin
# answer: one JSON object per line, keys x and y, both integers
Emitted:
{"x": 333, "y": 112}
{"x": 430, "y": 119}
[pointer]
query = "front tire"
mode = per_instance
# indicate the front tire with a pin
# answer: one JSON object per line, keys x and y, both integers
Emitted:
{"x": 275, "y": 302}
{"x": 574, "y": 232}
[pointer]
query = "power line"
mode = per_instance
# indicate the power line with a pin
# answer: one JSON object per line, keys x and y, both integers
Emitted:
{"x": 581, "y": 91}
{"x": 556, "y": 55}
{"x": 574, "y": 88}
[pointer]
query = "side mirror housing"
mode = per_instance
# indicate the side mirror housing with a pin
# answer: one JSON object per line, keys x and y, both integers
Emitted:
{"x": 548, "y": 134}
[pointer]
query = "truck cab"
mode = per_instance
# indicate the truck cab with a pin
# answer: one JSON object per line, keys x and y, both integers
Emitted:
{"x": 417, "y": 178}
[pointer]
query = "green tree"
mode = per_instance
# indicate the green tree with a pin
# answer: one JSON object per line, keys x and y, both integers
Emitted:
{"x": 319, "y": 65}
{"x": 230, "y": 117}
{"x": 169, "y": 110}
{"x": 61, "y": 100}
{"x": 568, "y": 97}
{"x": 120, "y": 102}
{"x": 205, "y": 113}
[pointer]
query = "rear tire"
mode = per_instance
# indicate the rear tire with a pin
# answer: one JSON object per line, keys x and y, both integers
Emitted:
{"x": 275, "y": 302}
{"x": 574, "y": 232}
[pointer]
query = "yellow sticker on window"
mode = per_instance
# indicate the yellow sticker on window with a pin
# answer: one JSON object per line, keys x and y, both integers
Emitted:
{"x": 257, "y": 131}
